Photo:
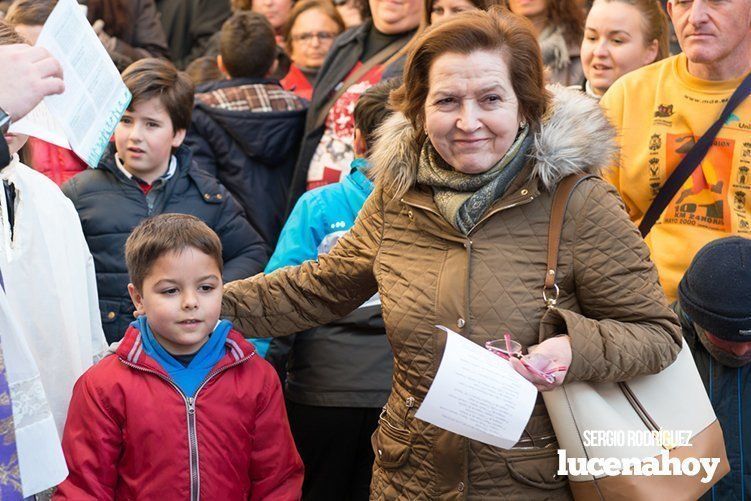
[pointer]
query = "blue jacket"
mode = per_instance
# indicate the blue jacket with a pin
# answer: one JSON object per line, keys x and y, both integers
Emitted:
{"x": 729, "y": 391}
{"x": 347, "y": 363}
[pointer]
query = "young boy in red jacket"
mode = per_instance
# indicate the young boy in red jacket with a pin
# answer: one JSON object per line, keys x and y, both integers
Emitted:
{"x": 184, "y": 408}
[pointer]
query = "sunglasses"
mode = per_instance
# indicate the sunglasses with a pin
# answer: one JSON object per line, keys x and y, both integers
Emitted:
{"x": 507, "y": 348}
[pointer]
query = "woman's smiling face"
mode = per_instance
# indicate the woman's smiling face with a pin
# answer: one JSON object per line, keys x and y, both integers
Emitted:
{"x": 471, "y": 112}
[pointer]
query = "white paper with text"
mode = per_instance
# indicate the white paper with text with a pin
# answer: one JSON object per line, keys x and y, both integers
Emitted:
{"x": 478, "y": 395}
{"x": 95, "y": 96}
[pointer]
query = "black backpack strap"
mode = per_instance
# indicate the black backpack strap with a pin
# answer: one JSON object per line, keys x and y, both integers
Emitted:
{"x": 692, "y": 160}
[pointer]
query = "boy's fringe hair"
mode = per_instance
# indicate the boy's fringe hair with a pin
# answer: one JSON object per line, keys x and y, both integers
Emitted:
{"x": 165, "y": 233}
{"x": 151, "y": 77}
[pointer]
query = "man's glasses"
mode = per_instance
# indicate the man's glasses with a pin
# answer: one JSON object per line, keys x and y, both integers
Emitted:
{"x": 322, "y": 36}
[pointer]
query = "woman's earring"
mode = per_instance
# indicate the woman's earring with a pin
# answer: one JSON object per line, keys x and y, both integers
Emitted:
{"x": 522, "y": 125}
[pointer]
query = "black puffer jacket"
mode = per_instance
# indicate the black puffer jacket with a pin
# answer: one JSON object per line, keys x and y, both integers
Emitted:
{"x": 252, "y": 153}
{"x": 110, "y": 205}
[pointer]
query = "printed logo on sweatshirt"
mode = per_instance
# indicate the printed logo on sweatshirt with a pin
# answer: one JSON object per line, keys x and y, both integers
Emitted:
{"x": 703, "y": 199}
{"x": 655, "y": 142}
{"x": 664, "y": 111}
{"x": 743, "y": 176}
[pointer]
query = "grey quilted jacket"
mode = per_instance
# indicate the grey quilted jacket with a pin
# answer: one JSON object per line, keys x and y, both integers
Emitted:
{"x": 481, "y": 285}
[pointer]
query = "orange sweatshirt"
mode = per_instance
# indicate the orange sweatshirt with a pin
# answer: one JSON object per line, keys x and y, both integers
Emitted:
{"x": 659, "y": 112}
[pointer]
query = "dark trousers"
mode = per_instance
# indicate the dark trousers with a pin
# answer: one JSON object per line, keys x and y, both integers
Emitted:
{"x": 334, "y": 443}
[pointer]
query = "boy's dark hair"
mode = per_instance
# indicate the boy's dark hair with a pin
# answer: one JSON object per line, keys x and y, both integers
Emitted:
{"x": 8, "y": 36}
{"x": 29, "y": 12}
{"x": 372, "y": 109}
{"x": 248, "y": 45}
{"x": 159, "y": 235}
{"x": 151, "y": 77}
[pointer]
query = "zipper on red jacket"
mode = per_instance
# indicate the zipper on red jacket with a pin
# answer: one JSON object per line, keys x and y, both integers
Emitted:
{"x": 190, "y": 410}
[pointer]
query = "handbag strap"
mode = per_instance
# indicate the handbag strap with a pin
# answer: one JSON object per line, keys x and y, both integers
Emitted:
{"x": 561, "y": 197}
{"x": 692, "y": 160}
{"x": 355, "y": 76}
{"x": 550, "y": 291}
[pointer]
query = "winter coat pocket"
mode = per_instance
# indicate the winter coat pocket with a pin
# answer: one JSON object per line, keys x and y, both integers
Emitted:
{"x": 537, "y": 468}
{"x": 391, "y": 443}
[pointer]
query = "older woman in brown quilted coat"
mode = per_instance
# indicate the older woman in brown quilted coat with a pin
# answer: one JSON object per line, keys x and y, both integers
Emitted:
{"x": 442, "y": 251}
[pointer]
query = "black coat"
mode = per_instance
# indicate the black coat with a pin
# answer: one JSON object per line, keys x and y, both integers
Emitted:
{"x": 188, "y": 25}
{"x": 252, "y": 153}
{"x": 110, "y": 205}
{"x": 347, "y": 50}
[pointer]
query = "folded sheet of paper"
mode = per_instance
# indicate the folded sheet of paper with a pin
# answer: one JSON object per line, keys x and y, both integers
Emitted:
{"x": 95, "y": 96}
{"x": 478, "y": 395}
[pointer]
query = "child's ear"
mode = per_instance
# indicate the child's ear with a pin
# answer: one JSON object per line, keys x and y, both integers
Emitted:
{"x": 178, "y": 138}
{"x": 361, "y": 147}
{"x": 137, "y": 299}
{"x": 222, "y": 68}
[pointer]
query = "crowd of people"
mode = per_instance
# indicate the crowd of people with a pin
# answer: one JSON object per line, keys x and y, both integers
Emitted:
{"x": 240, "y": 300}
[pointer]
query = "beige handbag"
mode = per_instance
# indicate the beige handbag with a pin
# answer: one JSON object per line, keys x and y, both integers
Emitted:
{"x": 615, "y": 417}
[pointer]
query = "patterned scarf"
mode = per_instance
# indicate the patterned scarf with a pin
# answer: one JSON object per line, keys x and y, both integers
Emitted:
{"x": 463, "y": 198}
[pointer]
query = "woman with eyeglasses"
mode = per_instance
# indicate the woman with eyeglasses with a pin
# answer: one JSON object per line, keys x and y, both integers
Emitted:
{"x": 309, "y": 35}
{"x": 359, "y": 58}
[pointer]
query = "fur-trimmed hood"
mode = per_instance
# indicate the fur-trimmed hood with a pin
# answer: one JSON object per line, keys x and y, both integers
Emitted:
{"x": 574, "y": 137}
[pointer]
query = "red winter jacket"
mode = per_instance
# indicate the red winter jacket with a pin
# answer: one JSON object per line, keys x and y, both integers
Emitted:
{"x": 55, "y": 162}
{"x": 131, "y": 434}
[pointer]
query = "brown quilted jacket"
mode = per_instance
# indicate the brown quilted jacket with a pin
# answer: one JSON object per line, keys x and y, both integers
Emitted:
{"x": 481, "y": 285}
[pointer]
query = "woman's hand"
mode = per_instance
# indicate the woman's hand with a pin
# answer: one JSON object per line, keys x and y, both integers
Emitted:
{"x": 107, "y": 41}
{"x": 550, "y": 358}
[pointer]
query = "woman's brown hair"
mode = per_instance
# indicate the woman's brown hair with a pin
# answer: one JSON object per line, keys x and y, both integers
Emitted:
{"x": 324, "y": 6}
{"x": 567, "y": 14}
{"x": 654, "y": 24}
{"x": 494, "y": 30}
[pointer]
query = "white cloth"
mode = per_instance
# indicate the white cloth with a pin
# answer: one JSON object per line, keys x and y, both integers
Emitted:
{"x": 41, "y": 462}
{"x": 51, "y": 301}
